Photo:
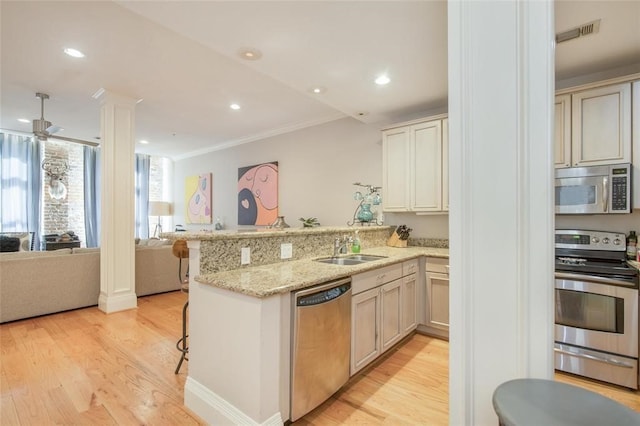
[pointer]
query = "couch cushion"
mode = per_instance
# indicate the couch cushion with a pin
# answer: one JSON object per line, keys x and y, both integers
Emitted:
{"x": 81, "y": 250}
{"x": 154, "y": 242}
{"x": 34, "y": 254}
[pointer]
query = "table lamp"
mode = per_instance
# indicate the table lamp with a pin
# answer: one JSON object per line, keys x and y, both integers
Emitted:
{"x": 159, "y": 208}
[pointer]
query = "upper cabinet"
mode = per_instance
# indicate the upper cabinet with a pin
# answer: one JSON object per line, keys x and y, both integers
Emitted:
{"x": 415, "y": 172}
{"x": 593, "y": 126}
{"x": 635, "y": 197}
{"x": 563, "y": 131}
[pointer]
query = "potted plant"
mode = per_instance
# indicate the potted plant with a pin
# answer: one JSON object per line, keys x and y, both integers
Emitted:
{"x": 309, "y": 222}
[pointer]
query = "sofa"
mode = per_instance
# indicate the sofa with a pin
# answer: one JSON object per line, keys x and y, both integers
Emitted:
{"x": 36, "y": 283}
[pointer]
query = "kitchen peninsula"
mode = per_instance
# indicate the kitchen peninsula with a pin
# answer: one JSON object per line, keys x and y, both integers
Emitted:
{"x": 240, "y": 316}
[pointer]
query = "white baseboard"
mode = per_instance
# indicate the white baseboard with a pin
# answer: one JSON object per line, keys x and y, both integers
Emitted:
{"x": 110, "y": 304}
{"x": 217, "y": 411}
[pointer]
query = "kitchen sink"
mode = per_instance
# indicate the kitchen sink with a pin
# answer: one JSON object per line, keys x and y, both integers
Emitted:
{"x": 355, "y": 259}
{"x": 365, "y": 257}
{"x": 340, "y": 261}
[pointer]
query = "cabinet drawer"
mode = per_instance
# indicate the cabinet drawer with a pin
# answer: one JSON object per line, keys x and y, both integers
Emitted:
{"x": 409, "y": 267}
{"x": 375, "y": 278}
{"x": 436, "y": 264}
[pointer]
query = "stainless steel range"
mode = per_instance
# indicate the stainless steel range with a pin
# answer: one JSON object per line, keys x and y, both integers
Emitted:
{"x": 596, "y": 324}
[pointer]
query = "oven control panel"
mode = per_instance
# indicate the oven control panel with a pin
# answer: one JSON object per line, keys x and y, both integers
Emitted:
{"x": 590, "y": 240}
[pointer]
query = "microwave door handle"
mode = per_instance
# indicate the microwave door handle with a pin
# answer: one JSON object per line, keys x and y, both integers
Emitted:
{"x": 605, "y": 194}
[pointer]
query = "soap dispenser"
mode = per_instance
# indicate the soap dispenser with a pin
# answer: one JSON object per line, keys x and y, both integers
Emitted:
{"x": 355, "y": 247}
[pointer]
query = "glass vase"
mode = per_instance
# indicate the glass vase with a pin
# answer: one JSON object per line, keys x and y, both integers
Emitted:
{"x": 365, "y": 214}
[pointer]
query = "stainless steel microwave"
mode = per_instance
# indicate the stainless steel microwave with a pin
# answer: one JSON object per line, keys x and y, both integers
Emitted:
{"x": 593, "y": 189}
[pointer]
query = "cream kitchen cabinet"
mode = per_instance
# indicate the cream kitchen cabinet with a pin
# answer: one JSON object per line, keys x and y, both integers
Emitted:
{"x": 365, "y": 341}
{"x": 383, "y": 310}
{"x": 562, "y": 138}
{"x": 437, "y": 303}
{"x": 599, "y": 129}
{"x": 409, "y": 296}
{"x": 414, "y": 168}
{"x": 635, "y": 197}
{"x": 390, "y": 314}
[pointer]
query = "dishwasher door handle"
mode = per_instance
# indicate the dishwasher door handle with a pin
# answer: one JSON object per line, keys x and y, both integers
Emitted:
{"x": 323, "y": 296}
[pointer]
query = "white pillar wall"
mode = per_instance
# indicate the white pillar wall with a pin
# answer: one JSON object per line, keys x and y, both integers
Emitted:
{"x": 501, "y": 84}
{"x": 117, "y": 248}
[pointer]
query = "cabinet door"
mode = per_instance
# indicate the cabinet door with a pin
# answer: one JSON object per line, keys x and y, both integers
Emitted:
{"x": 601, "y": 125}
{"x": 562, "y": 139}
{"x": 390, "y": 315}
{"x": 438, "y": 300}
{"x": 635, "y": 197}
{"x": 365, "y": 340}
{"x": 409, "y": 304}
{"x": 426, "y": 158}
{"x": 445, "y": 164}
{"x": 395, "y": 169}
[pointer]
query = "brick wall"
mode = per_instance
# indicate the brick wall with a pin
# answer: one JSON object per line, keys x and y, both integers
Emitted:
{"x": 60, "y": 216}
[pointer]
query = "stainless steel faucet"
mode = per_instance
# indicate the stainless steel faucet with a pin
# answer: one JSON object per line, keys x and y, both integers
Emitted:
{"x": 340, "y": 245}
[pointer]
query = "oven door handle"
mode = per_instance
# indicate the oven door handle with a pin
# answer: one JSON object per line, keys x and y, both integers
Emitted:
{"x": 594, "y": 358}
{"x": 593, "y": 279}
{"x": 605, "y": 194}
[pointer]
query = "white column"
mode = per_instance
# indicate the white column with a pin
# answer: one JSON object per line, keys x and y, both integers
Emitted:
{"x": 501, "y": 84}
{"x": 117, "y": 248}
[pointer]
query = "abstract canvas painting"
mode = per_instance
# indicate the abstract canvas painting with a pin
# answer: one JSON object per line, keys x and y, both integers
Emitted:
{"x": 198, "y": 198}
{"x": 258, "y": 194}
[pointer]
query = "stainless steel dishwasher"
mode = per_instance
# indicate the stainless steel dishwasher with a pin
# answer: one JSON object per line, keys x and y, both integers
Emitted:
{"x": 321, "y": 345}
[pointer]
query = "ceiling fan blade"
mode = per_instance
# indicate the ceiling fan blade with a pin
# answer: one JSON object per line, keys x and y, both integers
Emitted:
{"x": 74, "y": 140}
{"x": 53, "y": 129}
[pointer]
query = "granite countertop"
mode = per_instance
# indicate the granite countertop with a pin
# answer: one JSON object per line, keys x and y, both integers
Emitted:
{"x": 236, "y": 234}
{"x": 284, "y": 277}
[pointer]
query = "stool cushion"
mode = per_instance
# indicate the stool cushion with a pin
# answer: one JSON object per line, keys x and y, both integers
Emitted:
{"x": 180, "y": 249}
{"x": 538, "y": 402}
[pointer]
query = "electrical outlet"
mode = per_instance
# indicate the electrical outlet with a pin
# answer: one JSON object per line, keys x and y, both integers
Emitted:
{"x": 286, "y": 251}
{"x": 245, "y": 256}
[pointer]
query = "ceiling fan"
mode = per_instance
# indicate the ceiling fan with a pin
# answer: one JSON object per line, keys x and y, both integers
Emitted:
{"x": 44, "y": 130}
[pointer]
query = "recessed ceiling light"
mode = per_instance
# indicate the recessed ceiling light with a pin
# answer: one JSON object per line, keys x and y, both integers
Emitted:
{"x": 250, "y": 54}
{"x": 73, "y": 52}
{"x": 382, "y": 80}
{"x": 318, "y": 90}
{"x": 24, "y": 120}
{"x": 144, "y": 142}
{"x": 234, "y": 106}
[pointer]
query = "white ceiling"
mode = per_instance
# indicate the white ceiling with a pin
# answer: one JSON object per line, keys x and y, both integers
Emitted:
{"x": 181, "y": 58}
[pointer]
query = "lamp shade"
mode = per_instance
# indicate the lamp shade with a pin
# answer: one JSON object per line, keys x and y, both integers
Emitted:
{"x": 159, "y": 208}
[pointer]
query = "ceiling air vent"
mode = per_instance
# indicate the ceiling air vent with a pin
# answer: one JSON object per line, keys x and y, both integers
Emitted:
{"x": 581, "y": 31}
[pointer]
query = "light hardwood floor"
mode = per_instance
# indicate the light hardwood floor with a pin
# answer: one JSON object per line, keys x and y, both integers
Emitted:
{"x": 87, "y": 368}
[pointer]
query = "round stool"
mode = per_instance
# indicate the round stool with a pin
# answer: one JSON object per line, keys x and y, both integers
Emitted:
{"x": 181, "y": 344}
{"x": 536, "y": 402}
{"x": 181, "y": 251}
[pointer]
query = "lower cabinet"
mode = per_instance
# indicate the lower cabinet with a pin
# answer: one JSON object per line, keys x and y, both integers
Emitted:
{"x": 409, "y": 303}
{"x": 365, "y": 345}
{"x": 437, "y": 303}
{"x": 383, "y": 310}
{"x": 391, "y": 313}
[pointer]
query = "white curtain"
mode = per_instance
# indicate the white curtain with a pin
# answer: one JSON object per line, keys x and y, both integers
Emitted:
{"x": 92, "y": 196}
{"x": 142, "y": 195}
{"x": 20, "y": 185}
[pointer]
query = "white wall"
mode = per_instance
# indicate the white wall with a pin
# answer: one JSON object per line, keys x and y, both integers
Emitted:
{"x": 318, "y": 166}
